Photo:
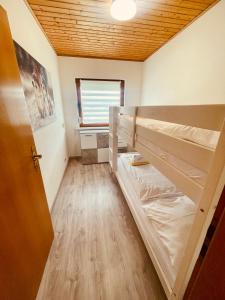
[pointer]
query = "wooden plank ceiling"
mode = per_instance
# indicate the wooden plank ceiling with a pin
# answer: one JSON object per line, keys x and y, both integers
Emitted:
{"x": 85, "y": 28}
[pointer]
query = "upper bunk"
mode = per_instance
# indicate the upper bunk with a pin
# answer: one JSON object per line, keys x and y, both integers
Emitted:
{"x": 177, "y": 140}
{"x": 188, "y": 133}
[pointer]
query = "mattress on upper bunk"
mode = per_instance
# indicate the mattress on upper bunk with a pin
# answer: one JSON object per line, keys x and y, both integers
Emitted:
{"x": 204, "y": 137}
{"x": 170, "y": 213}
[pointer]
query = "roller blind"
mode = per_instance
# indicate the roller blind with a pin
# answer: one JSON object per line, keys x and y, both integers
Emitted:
{"x": 96, "y": 97}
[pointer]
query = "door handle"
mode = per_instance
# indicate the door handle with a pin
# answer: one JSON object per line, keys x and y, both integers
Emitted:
{"x": 35, "y": 157}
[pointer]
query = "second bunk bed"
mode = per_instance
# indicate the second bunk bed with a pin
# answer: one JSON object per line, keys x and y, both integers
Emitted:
{"x": 172, "y": 178}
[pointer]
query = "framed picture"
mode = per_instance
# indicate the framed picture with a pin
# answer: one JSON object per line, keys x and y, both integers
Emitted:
{"x": 38, "y": 90}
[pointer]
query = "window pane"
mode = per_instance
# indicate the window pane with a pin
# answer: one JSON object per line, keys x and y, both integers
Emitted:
{"x": 96, "y": 97}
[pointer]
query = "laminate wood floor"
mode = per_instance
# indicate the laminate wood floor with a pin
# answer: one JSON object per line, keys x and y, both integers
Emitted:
{"x": 97, "y": 252}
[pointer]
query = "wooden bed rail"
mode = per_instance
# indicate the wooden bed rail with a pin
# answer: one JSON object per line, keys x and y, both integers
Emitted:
{"x": 186, "y": 184}
{"x": 202, "y": 116}
{"x": 201, "y": 156}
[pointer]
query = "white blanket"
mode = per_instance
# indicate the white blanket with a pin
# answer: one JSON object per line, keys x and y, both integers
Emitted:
{"x": 172, "y": 219}
{"x": 149, "y": 183}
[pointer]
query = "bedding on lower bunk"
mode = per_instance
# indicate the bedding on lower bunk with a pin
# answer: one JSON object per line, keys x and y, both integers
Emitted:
{"x": 172, "y": 218}
{"x": 148, "y": 181}
{"x": 170, "y": 214}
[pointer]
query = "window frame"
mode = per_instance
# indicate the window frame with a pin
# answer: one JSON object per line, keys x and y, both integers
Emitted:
{"x": 78, "y": 82}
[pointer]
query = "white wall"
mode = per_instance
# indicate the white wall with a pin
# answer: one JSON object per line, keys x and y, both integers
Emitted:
{"x": 190, "y": 69}
{"x": 50, "y": 140}
{"x": 71, "y": 68}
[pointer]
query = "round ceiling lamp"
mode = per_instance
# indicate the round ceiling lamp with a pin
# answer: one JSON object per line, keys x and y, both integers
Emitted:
{"x": 123, "y": 10}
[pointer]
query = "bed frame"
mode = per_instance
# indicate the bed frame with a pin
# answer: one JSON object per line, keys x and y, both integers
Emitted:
{"x": 212, "y": 117}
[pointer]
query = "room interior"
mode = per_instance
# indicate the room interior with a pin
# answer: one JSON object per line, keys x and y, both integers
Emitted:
{"x": 160, "y": 67}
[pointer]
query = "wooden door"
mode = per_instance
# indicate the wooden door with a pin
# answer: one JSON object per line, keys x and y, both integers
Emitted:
{"x": 208, "y": 279}
{"x": 26, "y": 230}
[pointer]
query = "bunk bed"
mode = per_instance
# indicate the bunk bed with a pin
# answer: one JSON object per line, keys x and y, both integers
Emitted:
{"x": 174, "y": 197}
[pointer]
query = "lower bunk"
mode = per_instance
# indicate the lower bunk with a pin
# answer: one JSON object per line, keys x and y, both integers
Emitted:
{"x": 163, "y": 214}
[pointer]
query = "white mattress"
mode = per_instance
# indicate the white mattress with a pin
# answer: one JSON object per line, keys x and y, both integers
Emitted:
{"x": 149, "y": 183}
{"x": 204, "y": 137}
{"x": 169, "y": 218}
{"x": 172, "y": 219}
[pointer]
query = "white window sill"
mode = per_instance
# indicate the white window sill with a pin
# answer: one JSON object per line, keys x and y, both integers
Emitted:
{"x": 93, "y": 129}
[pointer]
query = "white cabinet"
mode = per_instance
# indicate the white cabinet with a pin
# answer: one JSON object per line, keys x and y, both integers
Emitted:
{"x": 103, "y": 155}
{"x": 88, "y": 140}
{"x": 94, "y": 146}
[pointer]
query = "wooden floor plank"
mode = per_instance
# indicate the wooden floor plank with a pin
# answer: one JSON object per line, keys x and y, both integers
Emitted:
{"x": 97, "y": 252}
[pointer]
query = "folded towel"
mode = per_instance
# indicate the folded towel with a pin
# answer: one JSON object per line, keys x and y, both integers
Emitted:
{"x": 140, "y": 163}
{"x": 138, "y": 160}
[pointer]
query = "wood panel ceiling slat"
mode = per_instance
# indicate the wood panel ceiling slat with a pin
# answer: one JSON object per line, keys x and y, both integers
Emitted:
{"x": 40, "y": 9}
{"x": 90, "y": 24}
{"x": 107, "y": 39}
{"x": 105, "y": 43}
{"x": 99, "y": 46}
{"x": 97, "y": 51}
{"x": 192, "y": 9}
{"x": 107, "y": 35}
{"x": 129, "y": 32}
{"x": 102, "y": 44}
{"x": 85, "y": 27}
{"x": 152, "y": 11}
{"x": 171, "y": 27}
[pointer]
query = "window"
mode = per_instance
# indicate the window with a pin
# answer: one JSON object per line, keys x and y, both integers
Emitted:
{"x": 94, "y": 98}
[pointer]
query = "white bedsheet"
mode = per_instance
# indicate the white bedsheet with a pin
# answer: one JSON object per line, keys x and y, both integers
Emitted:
{"x": 148, "y": 181}
{"x": 172, "y": 219}
{"x": 170, "y": 213}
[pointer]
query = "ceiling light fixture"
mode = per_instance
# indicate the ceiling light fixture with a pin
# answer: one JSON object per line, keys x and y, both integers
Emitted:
{"x": 123, "y": 10}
